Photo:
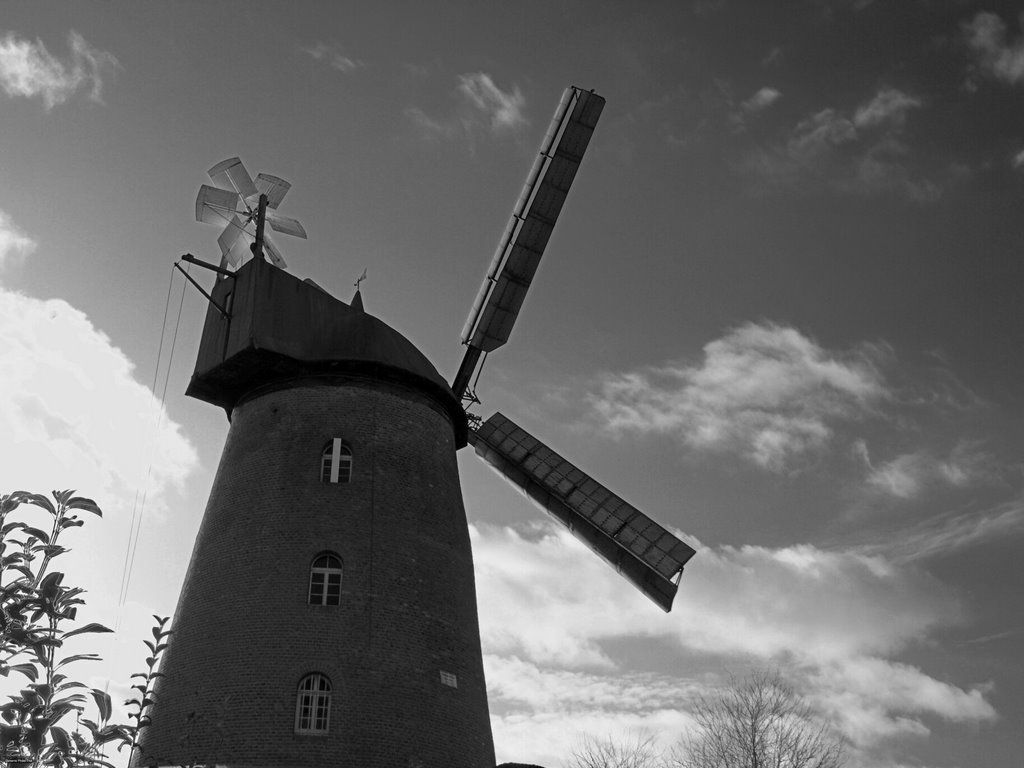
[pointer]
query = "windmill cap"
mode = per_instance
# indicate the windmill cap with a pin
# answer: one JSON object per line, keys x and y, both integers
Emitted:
{"x": 283, "y": 328}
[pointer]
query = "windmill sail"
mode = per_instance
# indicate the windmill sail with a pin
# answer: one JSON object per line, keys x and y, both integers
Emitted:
{"x": 234, "y": 201}
{"x": 642, "y": 551}
{"x": 523, "y": 242}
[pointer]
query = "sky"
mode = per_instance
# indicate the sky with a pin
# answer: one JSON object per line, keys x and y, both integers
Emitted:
{"x": 780, "y": 313}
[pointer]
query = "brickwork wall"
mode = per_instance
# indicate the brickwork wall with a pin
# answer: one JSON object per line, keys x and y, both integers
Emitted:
{"x": 244, "y": 634}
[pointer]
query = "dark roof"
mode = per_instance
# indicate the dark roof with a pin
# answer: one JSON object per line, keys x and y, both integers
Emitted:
{"x": 281, "y": 327}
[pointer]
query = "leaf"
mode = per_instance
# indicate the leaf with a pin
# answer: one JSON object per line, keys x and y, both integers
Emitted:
{"x": 42, "y": 535}
{"x": 39, "y": 501}
{"x": 93, "y": 627}
{"x": 62, "y": 496}
{"x": 37, "y": 693}
{"x": 80, "y": 502}
{"x": 86, "y": 504}
{"x": 51, "y": 581}
{"x": 102, "y": 699}
{"x": 9, "y": 734}
{"x": 60, "y": 738}
{"x": 74, "y": 698}
{"x": 71, "y": 523}
{"x": 28, "y": 670}
{"x": 90, "y": 725}
{"x": 77, "y": 657}
{"x": 109, "y": 733}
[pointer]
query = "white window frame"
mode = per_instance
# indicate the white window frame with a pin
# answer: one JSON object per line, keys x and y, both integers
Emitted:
{"x": 313, "y": 705}
{"x": 336, "y": 462}
{"x": 321, "y": 575}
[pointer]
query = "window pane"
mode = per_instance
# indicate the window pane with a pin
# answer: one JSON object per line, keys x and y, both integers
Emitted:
{"x": 316, "y": 588}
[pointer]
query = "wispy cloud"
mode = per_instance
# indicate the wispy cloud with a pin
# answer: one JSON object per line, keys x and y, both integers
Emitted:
{"x": 504, "y": 109}
{"x": 480, "y": 106}
{"x": 888, "y": 106}
{"x": 833, "y": 619}
{"x": 763, "y": 391}
{"x": 908, "y": 475}
{"x": 28, "y": 69}
{"x": 859, "y": 150}
{"x": 758, "y": 102}
{"x": 15, "y": 244}
{"x": 333, "y": 57}
{"x": 763, "y": 99}
{"x": 945, "y": 534}
{"x": 986, "y": 35}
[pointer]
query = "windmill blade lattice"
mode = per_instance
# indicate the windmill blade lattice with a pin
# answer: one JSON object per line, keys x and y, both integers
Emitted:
{"x": 640, "y": 550}
{"x": 234, "y": 202}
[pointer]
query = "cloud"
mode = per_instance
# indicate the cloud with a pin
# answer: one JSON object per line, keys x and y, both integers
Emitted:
{"x": 908, "y": 475}
{"x": 504, "y": 110}
{"x": 333, "y": 57}
{"x": 888, "y": 106}
{"x": 765, "y": 392}
{"x": 28, "y": 69}
{"x": 15, "y": 245}
{"x": 819, "y": 133}
{"x": 858, "y": 152}
{"x": 480, "y": 106}
{"x": 946, "y": 534}
{"x": 873, "y": 699}
{"x": 986, "y": 36}
{"x": 758, "y": 102}
{"x": 72, "y": 413}
{"x": 763, "y": 99}
{"x": 539, "y": 714}
{"x": 834, "y": 620}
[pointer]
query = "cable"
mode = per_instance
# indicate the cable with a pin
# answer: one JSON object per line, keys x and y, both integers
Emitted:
{"x": 139, "y": 507}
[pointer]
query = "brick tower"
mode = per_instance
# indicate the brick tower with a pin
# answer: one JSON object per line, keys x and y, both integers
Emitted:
{"x": 328, "y": 616}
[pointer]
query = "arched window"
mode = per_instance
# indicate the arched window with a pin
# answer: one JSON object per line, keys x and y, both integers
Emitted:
{"x": 325, "y": 580}
{"x": 336, "y": 462}
{"x": 313, "y": 705}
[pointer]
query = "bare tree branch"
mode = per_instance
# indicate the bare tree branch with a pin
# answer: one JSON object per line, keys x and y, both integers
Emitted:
{"x": 758, "y": 722}
{"x": 638, "y": 750}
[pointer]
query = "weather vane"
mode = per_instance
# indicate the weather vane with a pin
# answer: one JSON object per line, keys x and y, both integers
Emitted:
{"x": 361, "y": 278}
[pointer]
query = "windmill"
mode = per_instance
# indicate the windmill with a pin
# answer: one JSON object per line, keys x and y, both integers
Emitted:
{"x": 640, "y": 549}
{"x": 241, "y": 205}
{"x": 329, "y": 611}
